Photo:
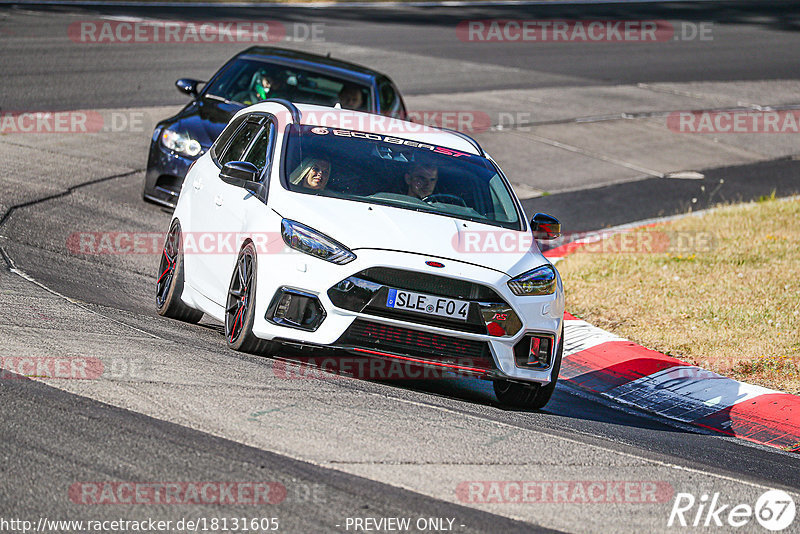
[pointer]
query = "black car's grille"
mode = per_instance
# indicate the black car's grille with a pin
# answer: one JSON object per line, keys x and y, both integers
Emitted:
{"x": 169, "y": 184}
{"x": 424, "y": 345}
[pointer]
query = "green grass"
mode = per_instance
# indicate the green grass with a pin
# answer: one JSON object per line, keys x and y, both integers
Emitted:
{"x": 721, "y": 290}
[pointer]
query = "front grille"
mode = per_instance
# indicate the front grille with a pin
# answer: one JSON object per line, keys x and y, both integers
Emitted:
{"x": 441, "y": 286}
{"x": 474, "y": 325}
{"x": 169, "y": 184}
{"x": 423, "y": 345}
{"x": 366, "y": 292}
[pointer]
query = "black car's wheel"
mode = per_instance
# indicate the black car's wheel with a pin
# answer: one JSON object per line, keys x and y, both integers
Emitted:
{"x": 530, "y": 396}
{"x": 169, "y": 285}
{"x": 241, "y": 306}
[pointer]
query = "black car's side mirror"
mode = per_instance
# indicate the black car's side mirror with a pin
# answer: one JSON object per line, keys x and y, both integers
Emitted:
{"x": 545, "y": 227}
{"x": 240, "y": 173}
{"x": 187, "y": 86}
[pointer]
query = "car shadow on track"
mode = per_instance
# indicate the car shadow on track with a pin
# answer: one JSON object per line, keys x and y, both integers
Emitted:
{"x": 569, "y": 406}
{"x": 567, "y": 402}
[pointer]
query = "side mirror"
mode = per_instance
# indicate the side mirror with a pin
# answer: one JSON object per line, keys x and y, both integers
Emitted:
{"x": 545, "y": 227}
{"x": 240, "y": 173}
{"x": 187, "y": 86}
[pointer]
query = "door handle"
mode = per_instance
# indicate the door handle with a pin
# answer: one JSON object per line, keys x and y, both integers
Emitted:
{"x": 218, "y": 200}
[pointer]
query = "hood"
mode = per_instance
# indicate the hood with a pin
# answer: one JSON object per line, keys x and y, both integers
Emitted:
{"x": 204, "y": 120}
{"x": 361, "y": 225}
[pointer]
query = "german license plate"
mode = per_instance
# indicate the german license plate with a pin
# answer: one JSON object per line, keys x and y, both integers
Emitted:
{"x": 428, "y": 304}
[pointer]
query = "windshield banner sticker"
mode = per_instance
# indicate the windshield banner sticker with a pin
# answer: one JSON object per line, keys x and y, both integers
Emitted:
{"x": 387, "y": 139}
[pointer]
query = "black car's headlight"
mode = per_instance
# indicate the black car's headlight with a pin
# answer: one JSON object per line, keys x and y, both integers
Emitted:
{"x": 538, "y": 281}
{"x": 301, "y": 237}
{"x": 182, "y": 143}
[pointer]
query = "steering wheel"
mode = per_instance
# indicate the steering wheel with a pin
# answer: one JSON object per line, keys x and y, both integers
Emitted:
{"x": 445, "y": 198}
{"x": 245, "y": 97}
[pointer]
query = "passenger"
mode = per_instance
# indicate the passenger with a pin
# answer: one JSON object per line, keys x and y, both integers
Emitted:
{"x": 351, "y": 97}
{"x": 421, "y": 180}
{"x": 312, "y": 173}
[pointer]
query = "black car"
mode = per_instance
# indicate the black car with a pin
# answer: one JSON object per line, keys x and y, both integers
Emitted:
{"x": 257, "y": 74}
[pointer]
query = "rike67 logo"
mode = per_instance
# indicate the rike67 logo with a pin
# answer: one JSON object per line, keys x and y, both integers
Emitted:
{"x": 774, "y": 510}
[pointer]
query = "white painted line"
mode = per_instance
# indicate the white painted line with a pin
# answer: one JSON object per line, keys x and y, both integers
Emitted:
{"x": 580, "y": 335}
{"x": 595, "y": 155}
{"x": 25, "y": 276}
{"x": 686, "y": 393}
{"x": 576, "y": 441}
{"x": 685, "y": 175}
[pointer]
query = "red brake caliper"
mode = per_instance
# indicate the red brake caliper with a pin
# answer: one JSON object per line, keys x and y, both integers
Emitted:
{"x": 169, "y": 266}
{"x": 244, "y": 305}
{"x": 233, "y": 326}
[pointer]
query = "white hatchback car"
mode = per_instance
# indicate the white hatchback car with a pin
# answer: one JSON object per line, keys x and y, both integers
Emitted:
{"x": 345, "y": 230}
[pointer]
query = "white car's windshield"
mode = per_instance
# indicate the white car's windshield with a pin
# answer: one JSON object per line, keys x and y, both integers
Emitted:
{"x": 385, "y": 169}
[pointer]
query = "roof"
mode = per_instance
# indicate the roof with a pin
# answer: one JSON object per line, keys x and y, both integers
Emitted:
{"x": 370, "y": 123}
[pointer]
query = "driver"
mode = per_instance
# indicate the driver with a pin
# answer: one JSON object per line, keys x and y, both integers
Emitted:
{"x": 421, "y": 180}
{"x": 312, "y": 173}
{"x": 263, "y": 85}
{"x": 350, "y": 97}
{"x": 268, "y": 86}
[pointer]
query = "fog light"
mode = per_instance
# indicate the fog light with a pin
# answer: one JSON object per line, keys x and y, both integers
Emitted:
{"x": 283, "y": 306}
{"x": 295, "y": 309}
{"x": 539, "y": 352}
{"x": 534, "y": 350}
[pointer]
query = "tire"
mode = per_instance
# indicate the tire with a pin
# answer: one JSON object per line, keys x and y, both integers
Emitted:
{"x": 530, "y": 396}
{"x": 169, "y": 285}
{"x": 240, "y": 307}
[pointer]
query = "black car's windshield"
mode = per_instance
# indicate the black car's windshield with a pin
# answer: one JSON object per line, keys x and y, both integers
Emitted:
{"x": 249, "y": 82}
{"x": 390, "y": 170}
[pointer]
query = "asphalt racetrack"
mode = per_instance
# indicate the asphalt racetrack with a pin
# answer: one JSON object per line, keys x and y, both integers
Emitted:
{"x": 579, "y": 128}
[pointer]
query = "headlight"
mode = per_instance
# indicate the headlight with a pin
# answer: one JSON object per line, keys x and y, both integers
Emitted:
{"x": 304, "y": 239}
{"x": 538, "y": 281}
{"x": 180, "y": 143}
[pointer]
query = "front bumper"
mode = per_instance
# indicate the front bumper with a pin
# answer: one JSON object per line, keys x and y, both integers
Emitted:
{"x": 536, "y": 314}
{"x": 165, "y": 173}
